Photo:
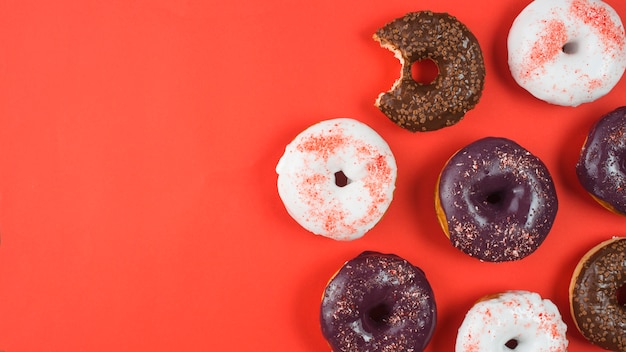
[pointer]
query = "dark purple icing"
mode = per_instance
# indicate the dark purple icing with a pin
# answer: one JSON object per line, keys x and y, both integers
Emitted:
{"x": 498, "y": 199}
{"x": 378, "y": 302}
{"x": 601, "y": 167}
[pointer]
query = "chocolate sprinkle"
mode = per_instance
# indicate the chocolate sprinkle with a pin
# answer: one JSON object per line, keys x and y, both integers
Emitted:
{"x": 378, "y": 302}
{"x": 600, "y": 168}
{"x": 594, "y": 297}
{"x": 498, "y": 199}
{"x": 441, "y": 38}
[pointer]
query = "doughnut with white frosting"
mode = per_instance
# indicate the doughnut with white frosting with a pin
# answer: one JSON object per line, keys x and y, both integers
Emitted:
{"x": 567, "y": 52}
{"x": 337, "y": 178}
{"x": 513, "y": 320}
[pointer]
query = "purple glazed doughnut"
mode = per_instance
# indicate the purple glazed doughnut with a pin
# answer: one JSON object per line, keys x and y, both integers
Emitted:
{"x": 601, "y": 168}
{"x": 378, "y": 302}
{"x": 495, "y": 200}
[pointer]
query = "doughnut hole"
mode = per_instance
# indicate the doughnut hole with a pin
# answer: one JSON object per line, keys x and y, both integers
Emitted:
{"x": 341, "y": 180}
{"x": 495, "y": 197}
{"x": 621, "y": 159}
{"x": 511, "y": 344}
{"x": 376, "y": 315}
{"x": 379, "y": 314}
{"x": 570, "y": 48}
{"x": 424, "y": 71}
{"x": 621, "y": 295}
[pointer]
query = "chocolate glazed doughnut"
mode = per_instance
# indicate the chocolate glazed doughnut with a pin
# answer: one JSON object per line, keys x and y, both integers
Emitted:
{"x": 378, "y": 302}
{"x": 495, "y": 200}
{"x": 601, "y": 169}
{"x": 441, "y": 38}
{"x": 598, "y": 295}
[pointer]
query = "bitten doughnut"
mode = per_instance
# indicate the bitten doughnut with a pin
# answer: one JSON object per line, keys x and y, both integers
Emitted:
{"x": 567, "y": 52}
{"x": 514, "y": 320}
{"x": 378, "y": 302}
{"x": 598, "y": 295}
{"x": 600, "y": 167}
{"x": 495, "y": 200}
{"x": 443, "y": 39}
{"x": 337, "y": 178}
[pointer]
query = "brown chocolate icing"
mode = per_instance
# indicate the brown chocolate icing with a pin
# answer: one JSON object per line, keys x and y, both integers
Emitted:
{"x": 595, "y": 305}
{"x": 378, "y": 302}
{"x": 441, "y": 38}
{"x": 498, "y": 200}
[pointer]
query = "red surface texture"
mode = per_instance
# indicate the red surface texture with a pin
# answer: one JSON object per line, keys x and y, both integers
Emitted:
{"x": 138, "y": 141}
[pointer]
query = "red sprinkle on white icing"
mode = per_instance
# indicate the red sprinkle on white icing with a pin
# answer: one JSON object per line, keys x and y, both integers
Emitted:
{"x": 567, "y": 52}
{"x": 599, "y": 18}
{"x": 548, "y": 47}
{"x": 307, "y": 185}
{"x": 534, "y": 323}
{"x": 324, "y": 145}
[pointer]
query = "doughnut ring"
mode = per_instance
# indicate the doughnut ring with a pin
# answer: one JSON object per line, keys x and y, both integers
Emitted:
{"x": 495, "y": 200}
{"x": 453, "y": 48}
{"x": 337, "y": 178}
{"x": 598, "y": 295}
{"x": 378, "y": 302}
{"x": 600, "y": 168}
{"x": 514, "y": 320}
{"x": 567, "y": 52}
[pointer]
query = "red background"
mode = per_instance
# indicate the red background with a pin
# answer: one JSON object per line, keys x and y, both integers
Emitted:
{"x": 138, "y": 141}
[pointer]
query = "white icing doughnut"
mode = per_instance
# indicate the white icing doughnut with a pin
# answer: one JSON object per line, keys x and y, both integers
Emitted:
{"x": 567, "y": 52}
{"x": 514, "y": 320}
{"x": 337, "y": 178}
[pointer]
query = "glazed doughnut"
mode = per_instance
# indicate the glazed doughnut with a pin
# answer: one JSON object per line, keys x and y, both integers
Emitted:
{"x": 567, "y": 52}
{"x": 495, "y": 200}
{"x": 378, "y": 302}
{"x": 443, "y": 39}
{"x": 337, "y": 178}
{"x": 600, "y": 167}
{"x": 514, "y": 320}
{"x": 598, "y": 295}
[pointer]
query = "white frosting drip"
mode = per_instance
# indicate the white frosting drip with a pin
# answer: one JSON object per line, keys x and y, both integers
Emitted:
{"x": 534, "y": 324}
{"x": 587, "y": 68}
{"x": 306, "y": 178}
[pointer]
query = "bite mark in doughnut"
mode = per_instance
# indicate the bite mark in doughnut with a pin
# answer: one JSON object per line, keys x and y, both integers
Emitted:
{"x": 495, "y": 200}
{"x": 378, "y": 302}
{"x": 567, "y": 52}
{"x": 514, "y": 320}
{"x": 337, "y": 178}
{"x": 596, "y": 295}
{"x": 600, "y": 168}
{"x": 439, "y": 37}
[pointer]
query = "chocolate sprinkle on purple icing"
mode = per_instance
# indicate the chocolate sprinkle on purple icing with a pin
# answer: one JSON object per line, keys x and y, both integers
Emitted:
{"x": 601, "y": 168}
{"x": 441, "y": 38}
{"x": 498, "y": 199}
{"x": 378, "y": 302}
